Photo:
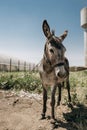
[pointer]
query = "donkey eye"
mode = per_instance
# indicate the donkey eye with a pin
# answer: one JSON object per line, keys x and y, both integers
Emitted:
{"x": 51, "y": 50}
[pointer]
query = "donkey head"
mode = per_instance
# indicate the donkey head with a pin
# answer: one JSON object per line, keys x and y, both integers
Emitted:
{"x": 54, "y": 50}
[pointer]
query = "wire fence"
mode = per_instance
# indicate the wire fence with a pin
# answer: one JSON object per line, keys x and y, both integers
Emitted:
{"x": 11, "y": 66}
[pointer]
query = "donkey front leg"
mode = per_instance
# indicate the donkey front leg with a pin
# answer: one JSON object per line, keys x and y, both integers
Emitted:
{"x": 59, "y": 94}
{"x": 68, "y": 89}
{"x": 44, "y": 103}
{"x": 53, "y": 101}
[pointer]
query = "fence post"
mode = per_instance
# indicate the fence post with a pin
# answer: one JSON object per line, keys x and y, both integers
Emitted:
{"x": 25, "y": 66}
{"x": 18, "y": 65}
{"x": 10, "y": 64}
{"x": 33, "y": 67}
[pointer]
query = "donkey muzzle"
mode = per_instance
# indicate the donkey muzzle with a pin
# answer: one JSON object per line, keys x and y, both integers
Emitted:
{"x": 61, "y": 75}
{"x": 60, "y": 71}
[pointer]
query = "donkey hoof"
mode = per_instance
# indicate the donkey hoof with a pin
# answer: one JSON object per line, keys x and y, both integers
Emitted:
{"x": 43, "y": 117}
{"x": 70, "y": 105}
{"x": 48, "y": 117}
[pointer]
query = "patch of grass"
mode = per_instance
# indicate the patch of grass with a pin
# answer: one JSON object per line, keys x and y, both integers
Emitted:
{"x": 30, "y": 81}
{"x": 78, "y": 83}
{"x": 19, "y": 80}
{"x": 78, "y": 79}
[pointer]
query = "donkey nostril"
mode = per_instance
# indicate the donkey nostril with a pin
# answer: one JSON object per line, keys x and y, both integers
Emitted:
{"x": 60, "y": 75}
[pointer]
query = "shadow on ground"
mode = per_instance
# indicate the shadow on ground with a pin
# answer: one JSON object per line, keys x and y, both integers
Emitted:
{"x": 75, "y": 120}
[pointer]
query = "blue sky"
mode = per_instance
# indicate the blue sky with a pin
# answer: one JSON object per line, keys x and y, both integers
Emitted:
{"x": 21, "y": 32}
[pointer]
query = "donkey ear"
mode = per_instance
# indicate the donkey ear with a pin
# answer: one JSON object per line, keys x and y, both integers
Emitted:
{"x": 46, "y": 29}
{"x": 62, "y": 37}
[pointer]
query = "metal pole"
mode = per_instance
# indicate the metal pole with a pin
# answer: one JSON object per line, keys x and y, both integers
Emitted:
{"x": 85, "y": 46}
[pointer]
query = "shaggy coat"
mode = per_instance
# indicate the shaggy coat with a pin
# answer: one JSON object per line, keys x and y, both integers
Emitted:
{"x": 53, "y": 68}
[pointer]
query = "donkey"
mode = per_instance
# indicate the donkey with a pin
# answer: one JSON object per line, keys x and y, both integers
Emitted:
{"x": 53, "y": 68}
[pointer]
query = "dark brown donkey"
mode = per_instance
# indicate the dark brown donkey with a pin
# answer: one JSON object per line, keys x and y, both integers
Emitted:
{"x": 54, "y": 67}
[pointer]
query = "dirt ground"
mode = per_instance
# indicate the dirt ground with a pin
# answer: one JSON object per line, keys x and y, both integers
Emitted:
{"x": 22, "y": 111}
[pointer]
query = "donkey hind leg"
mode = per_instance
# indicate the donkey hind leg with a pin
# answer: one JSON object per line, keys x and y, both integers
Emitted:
{"x": 59, "y": 94}
{"x": 68, "y": 89}
{"x": 44, "y": 103}
{"x": 53, "y": 101}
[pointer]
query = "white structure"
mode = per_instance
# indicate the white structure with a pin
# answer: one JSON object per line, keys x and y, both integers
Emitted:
{"x": 84, "y": 26}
